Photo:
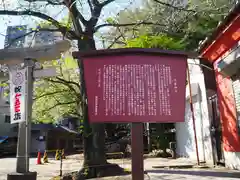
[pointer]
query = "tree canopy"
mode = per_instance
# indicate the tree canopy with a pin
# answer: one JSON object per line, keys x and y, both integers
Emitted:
{"x": 58, "y": 96}
{"x": 161, "y": 41}
{"x": 191, "y": 21}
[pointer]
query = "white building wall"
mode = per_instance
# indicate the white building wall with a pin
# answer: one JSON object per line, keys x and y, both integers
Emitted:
{"x": 232, "y": 160}
{"x": 184, "y": 131}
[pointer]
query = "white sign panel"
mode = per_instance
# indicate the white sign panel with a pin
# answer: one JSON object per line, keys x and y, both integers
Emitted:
{"x": 50, "y": 72}
{"x": 17, "y": 95}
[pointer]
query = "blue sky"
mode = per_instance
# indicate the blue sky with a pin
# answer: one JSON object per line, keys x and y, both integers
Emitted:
{"x": 109, "y": 11}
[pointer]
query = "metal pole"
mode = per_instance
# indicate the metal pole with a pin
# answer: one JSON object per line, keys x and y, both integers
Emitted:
{"x": 24, "y": 134}
{"x": 149, "y": 138}
{"x": 193, "y": 115}
{"x": 60, "y": 163}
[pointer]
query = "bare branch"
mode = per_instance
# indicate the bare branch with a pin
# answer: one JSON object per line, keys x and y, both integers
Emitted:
{"x": 48, "y": 1}
{"x": 212, "y": 11}
{"x": 48, "y": 94}
{"x": 106, "y": 2}
{"x": 96, "y": 12}
{"x": 53, "y": 3}
{"x": 56, "y": 100}
{"x": 90, "y": 5}
{"x": 114, "y": 41}
{"x": 31, "y": 13}
{"x": 119, "y": 30}
{"x": 76, "y": 13}
{"x": 174, "y": 7}
{"x": 125, "y": 25}
{"x": 58, "y": 104}
{"x": 95, "y": 2}
{"x": 73, "y": 112}
{"x": 69, "y": 82}
{"x": 40, "y": 15}
{"x": 26, "y": 34}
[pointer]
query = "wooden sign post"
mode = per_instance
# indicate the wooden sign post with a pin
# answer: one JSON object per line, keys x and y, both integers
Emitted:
{"x": 135, "y": 86}
{"x": 137, "y": 151}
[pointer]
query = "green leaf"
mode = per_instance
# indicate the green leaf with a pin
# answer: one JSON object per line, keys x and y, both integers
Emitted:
{"x": 57, "y": 97}
{"x": 161, "y": 41}
{"x": 110, "y": 20}
{"x": 3, "y": 84}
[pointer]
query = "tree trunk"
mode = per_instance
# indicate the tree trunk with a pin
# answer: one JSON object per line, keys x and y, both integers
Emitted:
{"x": 95, "y": 161}
{"x": 94, "y": 143}
{"x": 94, "y": 148}
{"x": 94, "y": 134}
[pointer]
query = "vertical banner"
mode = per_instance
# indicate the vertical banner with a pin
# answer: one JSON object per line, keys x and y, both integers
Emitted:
{"x": 17, "y": 95}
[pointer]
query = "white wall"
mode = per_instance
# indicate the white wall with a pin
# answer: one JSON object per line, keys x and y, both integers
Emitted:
{"x": 184, "y": 131}
{"x": 232, "y": 160}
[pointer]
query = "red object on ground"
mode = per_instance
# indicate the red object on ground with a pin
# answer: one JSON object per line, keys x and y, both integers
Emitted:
{"x": 136, "y": 88}
{"x": 39, "y": 158}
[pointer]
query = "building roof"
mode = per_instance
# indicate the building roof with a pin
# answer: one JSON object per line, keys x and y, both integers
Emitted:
{"x": 64, "y": 128}
{"x": 234, "y": 12}
{"x": 37, "y": 127}
{"x": 42, "y": 126}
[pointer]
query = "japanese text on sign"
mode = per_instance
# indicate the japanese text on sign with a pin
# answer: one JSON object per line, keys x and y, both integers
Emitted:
{"x": 17, "y": 92}
{"x": 138, "y": 89}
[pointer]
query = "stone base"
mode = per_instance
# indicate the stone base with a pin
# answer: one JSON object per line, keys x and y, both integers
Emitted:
{"x": 22, "y": 176}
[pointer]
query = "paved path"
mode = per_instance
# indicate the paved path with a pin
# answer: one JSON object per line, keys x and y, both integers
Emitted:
{"x": 191, "y": 174}
{"x": 46, "y": 171}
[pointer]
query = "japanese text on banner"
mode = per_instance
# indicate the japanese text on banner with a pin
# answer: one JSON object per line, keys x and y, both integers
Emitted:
{"x": 17, "y": 93}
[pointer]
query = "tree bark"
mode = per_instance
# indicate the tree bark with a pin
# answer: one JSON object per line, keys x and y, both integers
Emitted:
{"x": 94, "y": 145}
{"x": 94, "y": 134}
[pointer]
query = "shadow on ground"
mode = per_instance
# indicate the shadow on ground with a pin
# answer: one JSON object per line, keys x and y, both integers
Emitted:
{"x": 197, "y": 173}
{"x": 2, "y": 156}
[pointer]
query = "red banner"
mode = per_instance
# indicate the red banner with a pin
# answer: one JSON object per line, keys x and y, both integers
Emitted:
{"x": 135, "y": 88}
